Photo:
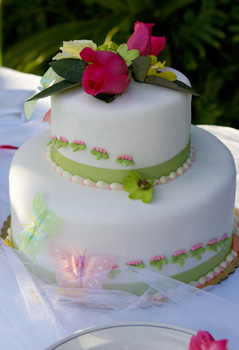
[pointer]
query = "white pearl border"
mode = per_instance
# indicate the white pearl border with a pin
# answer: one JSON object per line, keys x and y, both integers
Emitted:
{"x": 115, "y": 186}
{"x": 216, "y": 271}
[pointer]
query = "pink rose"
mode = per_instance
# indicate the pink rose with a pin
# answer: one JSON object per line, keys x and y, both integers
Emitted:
{"x": 143, "y": 41}
{"x": 107, "y": 74}
{"x": 204, "y": 341}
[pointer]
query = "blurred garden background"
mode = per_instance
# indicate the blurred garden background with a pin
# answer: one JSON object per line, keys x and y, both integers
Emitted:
{"x": 202, "y": 40}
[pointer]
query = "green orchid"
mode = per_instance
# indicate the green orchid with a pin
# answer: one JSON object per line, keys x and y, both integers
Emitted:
{"x": 139, "y": 187}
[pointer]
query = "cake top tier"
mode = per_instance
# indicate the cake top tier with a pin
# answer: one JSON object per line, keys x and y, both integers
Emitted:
{"x": 146, "y": 127}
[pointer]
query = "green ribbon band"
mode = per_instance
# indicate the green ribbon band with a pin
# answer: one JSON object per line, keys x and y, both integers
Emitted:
{"x": 115, "y": 175}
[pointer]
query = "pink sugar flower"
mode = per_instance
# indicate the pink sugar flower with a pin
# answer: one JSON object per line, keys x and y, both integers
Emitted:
{"x": 62, "y": 138}
{"x": 204, "y": 341}
{"x": 107, "y": 74}
{"x": 143, "y": 41}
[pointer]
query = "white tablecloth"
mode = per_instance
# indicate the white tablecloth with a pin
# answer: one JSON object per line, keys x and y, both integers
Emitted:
{"x": 15, "y": 87}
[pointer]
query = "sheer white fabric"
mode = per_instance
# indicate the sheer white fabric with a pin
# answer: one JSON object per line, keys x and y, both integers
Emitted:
{"x": 33, "y": 314}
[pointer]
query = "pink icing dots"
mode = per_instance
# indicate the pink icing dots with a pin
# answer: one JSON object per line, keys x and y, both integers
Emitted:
{"x": 98, "y": 149}
{"x": 224, "y": 236}
{"x": 125, "y": 157}
{"x": 197, "y": 246}
{"x": 215, "y": 274}
{"x": 157, "y": 258}
{"x": 213, "y": 241}
{"x": 79, "y": 142}
{"x": 183, "y": 251}
{"x": 135, "y": 262}
{"x": 63, "y": 139}
{"x": 53, "y": 137}
{"x": 198, "y": 285}
{"x": 109, "y": 188}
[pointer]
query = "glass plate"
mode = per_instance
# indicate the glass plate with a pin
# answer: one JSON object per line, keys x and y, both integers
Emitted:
{"x": 128, "y": 336}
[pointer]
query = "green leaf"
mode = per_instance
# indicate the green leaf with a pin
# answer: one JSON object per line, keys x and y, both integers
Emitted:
{"x": 70, "y": 69}
{"x": 175, "y": 85}
{"x": 125, "y": 162}
{"x": 54, "y": 89}
{"x": 74, "y": 147}
{"x": 29, "y": 107}
{"x": 141, "y": 66}
{"x": 98, "y": 155}
{"x": 93, "y": 151}
{"x": 105, "y": 155}
{"x": 106, "y": 97}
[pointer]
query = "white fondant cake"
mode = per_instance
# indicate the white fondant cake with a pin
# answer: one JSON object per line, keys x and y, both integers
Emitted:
{"x": 195, "y": 208}
{"x": 62, "y": 182}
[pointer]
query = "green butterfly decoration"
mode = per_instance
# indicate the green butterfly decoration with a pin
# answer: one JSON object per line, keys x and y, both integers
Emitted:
{"x": 43, "y": 224}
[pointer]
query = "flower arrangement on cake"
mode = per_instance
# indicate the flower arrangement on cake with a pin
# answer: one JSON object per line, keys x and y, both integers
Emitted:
{"x": 105, "y": 71}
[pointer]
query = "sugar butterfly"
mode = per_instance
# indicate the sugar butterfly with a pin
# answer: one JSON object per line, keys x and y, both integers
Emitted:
{"x": 43, "y": 224}
{"x": 81, "y": 271}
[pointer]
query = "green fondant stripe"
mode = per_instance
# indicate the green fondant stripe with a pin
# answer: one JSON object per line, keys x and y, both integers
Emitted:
{"x": 201, "y": 270}
{"x": 115, "y": 175}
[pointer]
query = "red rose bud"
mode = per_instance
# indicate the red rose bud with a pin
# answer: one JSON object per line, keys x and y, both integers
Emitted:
{"x": 143, "y": 41}
{"x": 107, "y": 74}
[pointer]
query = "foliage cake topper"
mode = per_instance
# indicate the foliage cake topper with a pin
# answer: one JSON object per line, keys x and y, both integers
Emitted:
{"x": 105, "y": 71}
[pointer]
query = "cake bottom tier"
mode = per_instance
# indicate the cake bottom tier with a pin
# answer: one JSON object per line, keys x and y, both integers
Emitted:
{"x": 185, "y": 232}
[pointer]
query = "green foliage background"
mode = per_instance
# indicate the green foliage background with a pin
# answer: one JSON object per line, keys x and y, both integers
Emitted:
{"x": 202, "y": 40}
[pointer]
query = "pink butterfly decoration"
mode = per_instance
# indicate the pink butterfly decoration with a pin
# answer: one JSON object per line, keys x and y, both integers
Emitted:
{"x": 47, "y": 117}
{"x": 81, "y": 271}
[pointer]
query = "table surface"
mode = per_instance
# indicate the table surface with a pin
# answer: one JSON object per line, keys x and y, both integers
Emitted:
{"x": 216, "y": 310}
